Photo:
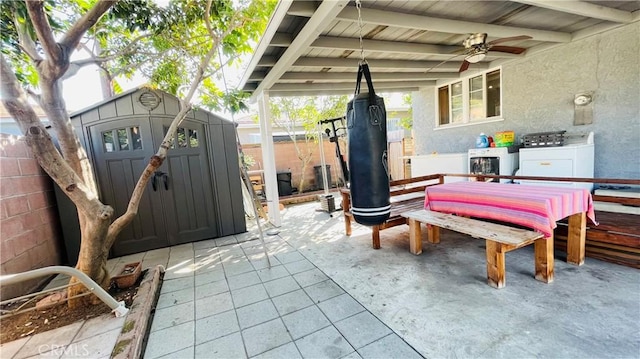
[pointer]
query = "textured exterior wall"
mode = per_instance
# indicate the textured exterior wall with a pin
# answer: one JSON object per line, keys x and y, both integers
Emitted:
{"x": 28, "y": 216}
{"x": 538, "y": 96}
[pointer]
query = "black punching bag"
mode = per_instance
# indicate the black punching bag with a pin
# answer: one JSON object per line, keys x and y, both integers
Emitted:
{"x": 368, "y": 169}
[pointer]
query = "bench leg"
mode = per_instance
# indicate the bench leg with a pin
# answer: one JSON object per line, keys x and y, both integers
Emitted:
{"x": 346, "y": 207}
{"x": 495, "y": 264}
{"x": 375, "y": 236}
{"x": 347, "y": 225}
{"x": 576, "y": 238}
{"x": 433, "y": 234}
{"x": 544, "y": 259}
{"x": 415, "y": 237}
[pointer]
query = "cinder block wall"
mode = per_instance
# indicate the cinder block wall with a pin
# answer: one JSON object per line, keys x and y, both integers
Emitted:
{"x": 29, "y": 223}
{"x": 287, "y": 160}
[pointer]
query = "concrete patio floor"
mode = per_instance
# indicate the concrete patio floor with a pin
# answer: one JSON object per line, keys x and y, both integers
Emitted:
{"x": 331, "y": 296}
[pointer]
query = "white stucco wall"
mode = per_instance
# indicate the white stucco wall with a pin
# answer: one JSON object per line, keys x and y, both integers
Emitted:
{"x": 538, "y": 93}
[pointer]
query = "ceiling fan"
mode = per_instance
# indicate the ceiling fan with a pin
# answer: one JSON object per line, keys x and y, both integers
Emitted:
{"x": 476, "y": 48}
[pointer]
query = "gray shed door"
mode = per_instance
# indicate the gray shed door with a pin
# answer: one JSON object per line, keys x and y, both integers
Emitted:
{"x": 177, "y": 205}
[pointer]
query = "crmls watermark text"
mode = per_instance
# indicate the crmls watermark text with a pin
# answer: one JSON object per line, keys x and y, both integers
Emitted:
{"x": 73, "y": 350}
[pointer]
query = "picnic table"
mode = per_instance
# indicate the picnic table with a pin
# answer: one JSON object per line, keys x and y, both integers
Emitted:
{"x": 536, "y": 208}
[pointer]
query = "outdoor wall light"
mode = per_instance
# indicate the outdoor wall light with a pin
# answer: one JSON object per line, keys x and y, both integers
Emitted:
{"x": 582, "y": 99}
{"x": 583, "y": 108}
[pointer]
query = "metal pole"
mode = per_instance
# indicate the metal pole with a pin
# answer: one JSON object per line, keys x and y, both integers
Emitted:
{"x": 117, "y": 307}
{"x": 323, "y": 161}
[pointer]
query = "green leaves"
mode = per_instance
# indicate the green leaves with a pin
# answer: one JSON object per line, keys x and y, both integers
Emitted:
{"x": 165, "y": 75}
{"x": 14, "y": 24}
{"x": 135, "y": 15}
{"x": 305, "y": 112}
{"x": 166, "y": 44}
{"x": 407, "y": 121}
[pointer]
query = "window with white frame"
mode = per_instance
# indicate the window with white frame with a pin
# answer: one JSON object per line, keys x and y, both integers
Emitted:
{"x": 471, "y": 100}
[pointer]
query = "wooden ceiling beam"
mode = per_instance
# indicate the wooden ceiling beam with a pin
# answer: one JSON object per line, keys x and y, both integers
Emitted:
{"x": 321, "y": 18}
{"x": 302, "y": 8}
{"x": 378, "y": 76}
{"x": 267, "y": 61}
{"x": 278, "y": 15}
{"x": 281, "y": 39}
{"x": 345, "y": 43}
{"x": 583, "y": 8}
{"x": 328, "y": 92}
{"x": 348, "y": 86}
{"x": 352, "y": 63}
{"x": 419, "y": 22}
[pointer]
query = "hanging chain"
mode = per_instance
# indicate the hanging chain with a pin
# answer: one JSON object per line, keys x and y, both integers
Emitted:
{"x": 360, "y": 25}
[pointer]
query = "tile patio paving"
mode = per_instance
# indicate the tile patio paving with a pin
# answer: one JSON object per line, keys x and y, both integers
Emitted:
{"x": 231, "y": 305}
{"x": 330, "y": 296}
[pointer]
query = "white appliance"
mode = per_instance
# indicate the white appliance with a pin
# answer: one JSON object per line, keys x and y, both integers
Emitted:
{"x": 455, "y": 163}
{"x": 493, "y": 161}
{"x": 574, "y": 159}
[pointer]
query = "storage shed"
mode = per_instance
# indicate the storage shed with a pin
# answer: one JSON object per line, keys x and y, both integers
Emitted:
{"x": 195, "y": 195}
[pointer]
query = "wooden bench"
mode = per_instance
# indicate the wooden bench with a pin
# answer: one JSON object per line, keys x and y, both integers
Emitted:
{"x": 500, "y": 239}
{"x": 406, "y": 195}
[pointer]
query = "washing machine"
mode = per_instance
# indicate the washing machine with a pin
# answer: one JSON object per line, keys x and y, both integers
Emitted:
{"x": 499, "y": 161}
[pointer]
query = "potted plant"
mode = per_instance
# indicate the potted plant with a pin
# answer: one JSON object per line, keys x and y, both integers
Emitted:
{"x": 128, "y": 275}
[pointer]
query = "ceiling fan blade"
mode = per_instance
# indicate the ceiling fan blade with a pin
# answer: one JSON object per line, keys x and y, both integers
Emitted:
{"x": 464, "y": 66}
{"x": 512, "y": 38}
{"x": 509, "y": 49}
{"x": 447, "y": 60}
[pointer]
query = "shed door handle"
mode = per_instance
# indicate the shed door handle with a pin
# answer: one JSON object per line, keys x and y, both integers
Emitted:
{"x": 154, "y": 180}
{"x": 165, "y": 178}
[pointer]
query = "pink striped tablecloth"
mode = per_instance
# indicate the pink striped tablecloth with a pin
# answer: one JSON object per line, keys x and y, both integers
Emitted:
{"x": 535, "y": 207}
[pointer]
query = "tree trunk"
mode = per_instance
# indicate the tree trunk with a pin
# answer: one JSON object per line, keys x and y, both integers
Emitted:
{"x": 306, "y": 159}
{"x": 69, "y": 167}
{"x": 106, "y": 81}
{"x": 106, "y": 84}
{"x": 92, "y": 259}
{"x": 305, "y": 162}
{"x": 304, "y": 168}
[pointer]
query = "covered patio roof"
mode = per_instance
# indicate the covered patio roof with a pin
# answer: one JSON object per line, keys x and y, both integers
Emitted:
{"x": 313, "y": 47}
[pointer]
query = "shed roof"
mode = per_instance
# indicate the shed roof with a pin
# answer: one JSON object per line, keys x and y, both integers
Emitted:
{"x": 161, "y": 93}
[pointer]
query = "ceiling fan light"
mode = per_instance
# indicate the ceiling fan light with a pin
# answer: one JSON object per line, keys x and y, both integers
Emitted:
{"x": 475, "y": 57}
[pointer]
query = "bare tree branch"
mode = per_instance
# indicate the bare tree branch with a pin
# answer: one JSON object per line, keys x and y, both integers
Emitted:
{"x": 220, "y": 67}
{"x": 154, "y": 163}
{"x": 207, "y": 18}
{"x": 35, "y": 96}
{"x": 135, "y": 65}
{"x": 157, "y": 160}
{"x": 14, "y": 99}
{"x": 48, "y": 156}
{"x": 43, "y": 29}
{"x": 129, "y": 49}
{"x": 26, "y": 43}
{"x": 99, "y": 60}
{"x": 72, "y": 37}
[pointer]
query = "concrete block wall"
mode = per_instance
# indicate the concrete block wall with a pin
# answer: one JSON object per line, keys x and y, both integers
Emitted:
{"x": 29, "y": 224}
{"x": 287, "y": 160}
